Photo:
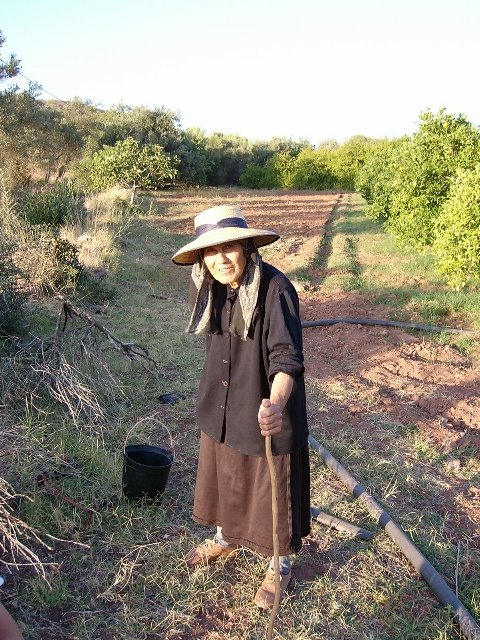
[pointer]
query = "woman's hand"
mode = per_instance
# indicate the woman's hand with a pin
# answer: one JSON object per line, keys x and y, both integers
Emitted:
{"x": 270, "y": 418}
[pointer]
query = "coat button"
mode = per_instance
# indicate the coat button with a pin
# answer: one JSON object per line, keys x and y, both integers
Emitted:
{"x": 225, "y": 361}
{"x": 225, "y": 383}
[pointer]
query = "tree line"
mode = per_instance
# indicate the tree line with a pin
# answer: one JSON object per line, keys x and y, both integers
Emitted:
{"x": 424, "y": 188}
{"x": 44, "y": 140}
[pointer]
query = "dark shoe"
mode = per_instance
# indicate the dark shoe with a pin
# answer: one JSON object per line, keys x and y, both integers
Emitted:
{"x": 265, "y": 596}
{"x": 208, "y": 552}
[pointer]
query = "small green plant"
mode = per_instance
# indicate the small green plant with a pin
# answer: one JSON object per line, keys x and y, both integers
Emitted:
{"x": 55, "y": 205}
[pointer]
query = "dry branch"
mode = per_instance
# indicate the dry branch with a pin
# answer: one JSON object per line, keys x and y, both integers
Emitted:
{"x": 129, "y": 349}
{"x": 16, "y": 535}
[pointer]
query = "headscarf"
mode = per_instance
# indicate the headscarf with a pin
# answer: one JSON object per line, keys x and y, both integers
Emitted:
{"x": 243, "y": 312}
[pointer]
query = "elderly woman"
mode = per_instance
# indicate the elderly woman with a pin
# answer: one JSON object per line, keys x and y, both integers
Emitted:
{"x": 251, "y": 386}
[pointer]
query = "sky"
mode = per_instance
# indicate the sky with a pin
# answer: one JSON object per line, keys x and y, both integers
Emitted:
{"x": 300, "y": 69}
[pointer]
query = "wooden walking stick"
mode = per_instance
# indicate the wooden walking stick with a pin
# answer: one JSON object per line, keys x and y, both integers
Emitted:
{"x": 276, "y": 553}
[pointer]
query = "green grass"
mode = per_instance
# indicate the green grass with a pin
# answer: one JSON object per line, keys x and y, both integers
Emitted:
{"x": 122, "y": 576}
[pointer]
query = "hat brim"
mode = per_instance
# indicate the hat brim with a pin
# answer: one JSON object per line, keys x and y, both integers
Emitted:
{"x": 188, "y": 254}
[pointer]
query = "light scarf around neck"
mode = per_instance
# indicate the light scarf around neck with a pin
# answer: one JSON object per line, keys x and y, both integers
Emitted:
{"x": 243, "y": 312}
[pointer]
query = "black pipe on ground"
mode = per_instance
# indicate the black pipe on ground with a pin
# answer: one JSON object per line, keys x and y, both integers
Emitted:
{"x": 383, "y": 323}
{"x": 467, "y": 623}
{"x": 340, "y": 525}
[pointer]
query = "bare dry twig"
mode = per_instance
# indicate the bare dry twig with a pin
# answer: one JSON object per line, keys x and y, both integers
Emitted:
{"x": 15, "y": 534}
{"x": 128, "y": 349}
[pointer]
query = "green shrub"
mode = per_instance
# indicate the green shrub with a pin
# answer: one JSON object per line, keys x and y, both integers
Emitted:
{"x": 312, "y": 170}
{"x": 226, "y": 156}
{"x": 129, "y": 164}
{"x": 11, "y": 293}
{"x": 254, "y": 177}
{"x": 47, "y": 261}
{"x": 58, "y": 204}
{"x": 347, "y": 160}
{"x": 65, "y": 268}
{"x": 421, "y": 173}
{"x": 279, "y": 171}
{"x": 374, "y": 180}
{"x": 457, "y": 231}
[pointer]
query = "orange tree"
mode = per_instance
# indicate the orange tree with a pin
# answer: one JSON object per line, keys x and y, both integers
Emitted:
{"x": 420, "y": 173}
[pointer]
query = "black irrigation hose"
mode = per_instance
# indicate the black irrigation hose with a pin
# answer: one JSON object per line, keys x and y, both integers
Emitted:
{"x": 467, "y": 623}
{"x": 383, "y": 323}
{"x": 340, "y": 525}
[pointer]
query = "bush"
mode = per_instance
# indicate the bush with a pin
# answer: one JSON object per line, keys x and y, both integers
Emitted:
{"x": 375, "y": 180}
{"x": 312, "y": 170}
{"x": 56, "y": 205}
{"x": 279, "y": 171}
{"x": 420, "y": 175}
{"x": 66, "y": 266}
{"x": 226, "y": 157}
{"x": 11, "y": 296}
{"x": 346, "y": 161}
{"x": 47, "y": 261}
{"x": 457, "y": 231}
{"x": 128, "y": 164}
{"x": 323, "y": 168}
{"x": 254, "y": 177}
{"x": 276, "y": 174}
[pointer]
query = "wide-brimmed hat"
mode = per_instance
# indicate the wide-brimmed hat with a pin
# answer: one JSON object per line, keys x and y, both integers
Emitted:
{"x": 218, "y": 225}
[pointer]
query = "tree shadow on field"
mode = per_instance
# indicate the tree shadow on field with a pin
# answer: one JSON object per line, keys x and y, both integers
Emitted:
{"x": 315, "y": 270}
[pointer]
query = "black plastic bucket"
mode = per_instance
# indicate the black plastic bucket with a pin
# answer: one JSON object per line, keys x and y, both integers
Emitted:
{"x": 145, "y": 471}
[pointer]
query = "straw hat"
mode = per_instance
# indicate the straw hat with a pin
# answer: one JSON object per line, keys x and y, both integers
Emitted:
{"x": 218, "y": 225}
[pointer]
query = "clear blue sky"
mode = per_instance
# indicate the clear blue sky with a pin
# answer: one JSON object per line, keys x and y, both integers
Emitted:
{"x": 296, "y": 68}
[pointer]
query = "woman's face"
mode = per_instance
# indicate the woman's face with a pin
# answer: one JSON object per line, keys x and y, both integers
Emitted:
{"x": 226, "y": 262}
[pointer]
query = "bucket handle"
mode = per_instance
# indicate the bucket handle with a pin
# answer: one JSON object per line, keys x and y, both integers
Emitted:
{"x": 146, "y": 419}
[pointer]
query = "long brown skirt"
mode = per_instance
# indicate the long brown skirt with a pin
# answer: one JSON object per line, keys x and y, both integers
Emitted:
{"x": 233, "y": 491}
